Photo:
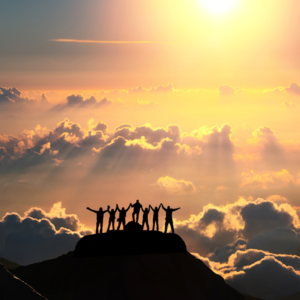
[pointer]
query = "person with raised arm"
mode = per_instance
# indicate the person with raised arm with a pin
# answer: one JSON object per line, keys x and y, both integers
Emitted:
{"x": 145, "y": 217}
{"x": 122, "y": 216}
{"x": 155, "y": 217}
{"x": 100, "y": 214}
{"x": 169, "y": 217}
{"x": 112, "y": 217}
{"x": 136, "y": 210}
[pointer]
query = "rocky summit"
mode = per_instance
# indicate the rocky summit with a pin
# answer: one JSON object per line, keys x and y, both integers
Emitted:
{"x": 131, "y": 241}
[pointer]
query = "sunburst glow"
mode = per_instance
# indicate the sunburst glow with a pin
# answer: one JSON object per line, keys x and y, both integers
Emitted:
{"x": 219, "y": 7}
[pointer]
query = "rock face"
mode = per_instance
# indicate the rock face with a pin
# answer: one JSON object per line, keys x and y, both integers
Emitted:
{"x": 177, "y": 276}
{"x": 131, "y": 241}
{"x": 11, "y": 288}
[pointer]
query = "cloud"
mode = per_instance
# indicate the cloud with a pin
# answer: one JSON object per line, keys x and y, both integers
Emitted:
{"x": 77, "y": 101}
{"x": 267, "y": 278}
{"x": 293, "y": 89}
{"x": 221, "y": 231}
{"x": 175, "y": 187}
{"x": 162, "y": 89}
{"x": 259, "y": 273}
{"x": 226, "y": 90}
{"x": 266, "y": 179}
{"x": 58, "y": 217}
{"x": 12, "y": 96}
{"x": 30, "y": 239}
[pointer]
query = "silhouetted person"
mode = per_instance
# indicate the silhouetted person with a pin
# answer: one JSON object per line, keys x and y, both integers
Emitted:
{"x": 155, "y": 217}
{"x": 122, "y": 216}
{"x": 100, "y": 214}
{"x": 169, "y": 217}
{"x": 136, "y": 210}
{"x": 112, "y": 217}
{"x": 145, "y": 217}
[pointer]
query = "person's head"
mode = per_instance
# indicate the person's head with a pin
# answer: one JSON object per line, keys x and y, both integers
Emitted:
{"x": 155, "y": 207}
{"x": 100, "y": 209}
{"x": 108, "y": 206}
{"x": 112, "y": 210}
{"x": 137, "y": 201}
{"x": 123, "y": 208}
{"x": 168, "y": 207}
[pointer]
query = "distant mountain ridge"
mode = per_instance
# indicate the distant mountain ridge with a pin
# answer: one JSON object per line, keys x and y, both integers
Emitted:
{"x": 9, "y": 265}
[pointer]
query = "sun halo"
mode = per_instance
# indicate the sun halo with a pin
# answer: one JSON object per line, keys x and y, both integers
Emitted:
{"x": 219, "y": 7}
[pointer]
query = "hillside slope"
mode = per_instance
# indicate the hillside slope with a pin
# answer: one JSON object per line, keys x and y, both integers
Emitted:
{"x": 156, "y": 276}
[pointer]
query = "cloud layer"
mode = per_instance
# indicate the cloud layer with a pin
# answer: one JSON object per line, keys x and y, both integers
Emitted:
{"x": 39, "y": 235}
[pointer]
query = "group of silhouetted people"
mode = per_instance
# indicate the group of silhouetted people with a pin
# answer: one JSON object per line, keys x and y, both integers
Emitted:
{"x": 135, "y": 216}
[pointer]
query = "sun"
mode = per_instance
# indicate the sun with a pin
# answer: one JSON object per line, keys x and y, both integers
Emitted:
{"x": 219, "y": 7}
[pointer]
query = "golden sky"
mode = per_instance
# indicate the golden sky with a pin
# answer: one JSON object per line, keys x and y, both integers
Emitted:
{"x": 191, "y": 103}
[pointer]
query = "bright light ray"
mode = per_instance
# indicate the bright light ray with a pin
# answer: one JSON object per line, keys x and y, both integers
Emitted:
{"x": 219, "y": 7}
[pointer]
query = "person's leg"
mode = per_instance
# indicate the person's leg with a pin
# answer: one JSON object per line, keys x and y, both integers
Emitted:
{"x": 137, "y": 216}
{"x": 133, "y": 216}
{"x": 172, "y": 227}
{"x": 124, "y": 222}
{"x": 108, "y": 225}
{"x": 101, "y": 227}
{"x": 113, "y": 225}
{"x": 157, "y": 226}
{"x": 153, "y": 225}
{"x": 166, "y": 226}
{"x": 119, "y": 225}
{"x": 97, "y": 225}
{"x": 147, "y": 224}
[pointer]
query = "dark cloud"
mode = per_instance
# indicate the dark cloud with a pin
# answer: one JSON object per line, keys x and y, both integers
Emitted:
{"x": 259, "y": 224}
{"x": 293, "y": 89}
{"x": 77, "y": 101}
{"x": 100, "y": 127}
{"x": 267, "y": 278}
{"x": 13, "y": 96}
{"x": 278, "y": 240}
{"x": 57, "y": 217}
{"x": 262, "y": 217}
{"x": 226, "y": 90}
{"x": 28, "y": 240}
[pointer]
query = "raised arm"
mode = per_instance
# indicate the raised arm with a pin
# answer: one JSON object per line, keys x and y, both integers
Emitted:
{"x": 128, "y": 207}
{"x": 163, "y": 207}
{"x": 91, "y": 210}
{"x": 159, "y": 206}
{"x": 117, "y": 208}
{"x": 108, "y": 207}
{"x": 142, "y": 208}
{"x": 175, "y": 209}
{"x": 151, "y": 207}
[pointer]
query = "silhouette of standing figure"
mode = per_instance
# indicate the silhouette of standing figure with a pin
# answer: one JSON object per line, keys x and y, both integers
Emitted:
{"x": 112, "y": 217}
{"x": 122, "y": 216}
{"x": 169, "y": 217}
{"x": 100, "y": 214}
{"x": 136, "y": 210}
{"x": 155, "y": 217}
{"x": 145, "y": 217}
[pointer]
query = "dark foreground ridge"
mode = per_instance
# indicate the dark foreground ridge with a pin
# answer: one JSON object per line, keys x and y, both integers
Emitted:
{"x": 131, "y": 241}
{"x": 14, "y": 288}
{"x": 177, "y": 276}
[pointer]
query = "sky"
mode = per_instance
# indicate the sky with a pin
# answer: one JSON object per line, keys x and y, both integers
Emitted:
{"x": 193, "y": 104}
